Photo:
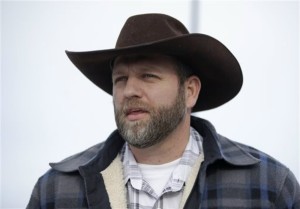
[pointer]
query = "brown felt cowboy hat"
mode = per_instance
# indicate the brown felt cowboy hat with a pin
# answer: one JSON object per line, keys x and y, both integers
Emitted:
{"x": 219, "y": 71}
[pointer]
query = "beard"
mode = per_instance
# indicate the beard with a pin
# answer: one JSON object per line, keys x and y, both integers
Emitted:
{"x": 161, "y": 122}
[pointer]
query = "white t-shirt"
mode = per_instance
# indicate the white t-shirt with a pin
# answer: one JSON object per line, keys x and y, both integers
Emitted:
{"x": 158, "y": 175}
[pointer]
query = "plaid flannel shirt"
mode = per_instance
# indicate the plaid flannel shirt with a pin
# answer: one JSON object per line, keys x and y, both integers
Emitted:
{"x": 138, "y": 190}
{"x": 232, "y": 176}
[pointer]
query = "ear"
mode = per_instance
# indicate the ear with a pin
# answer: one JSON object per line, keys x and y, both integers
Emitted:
{"x": 193, "y": 87}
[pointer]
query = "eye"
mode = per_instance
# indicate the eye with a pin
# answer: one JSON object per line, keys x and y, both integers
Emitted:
{"x": 119, "y": 79}
{"x": 149, "y": 75}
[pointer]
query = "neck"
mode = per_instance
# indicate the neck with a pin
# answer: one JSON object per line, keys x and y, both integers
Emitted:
{"x": 169, "y": 149}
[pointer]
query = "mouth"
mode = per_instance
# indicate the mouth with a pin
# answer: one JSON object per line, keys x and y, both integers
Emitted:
{"x": 133, "y": 114}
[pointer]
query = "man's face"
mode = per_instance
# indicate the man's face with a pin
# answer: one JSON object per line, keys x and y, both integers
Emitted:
{"x": 149, "y": 103}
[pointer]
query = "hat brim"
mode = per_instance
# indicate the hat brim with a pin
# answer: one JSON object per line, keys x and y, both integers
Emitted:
{"x": 219, "y": 71}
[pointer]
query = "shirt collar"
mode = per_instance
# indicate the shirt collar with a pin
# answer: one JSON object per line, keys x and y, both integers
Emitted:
{"x": 217, "y": 147}
{"x": 180, "y": 174}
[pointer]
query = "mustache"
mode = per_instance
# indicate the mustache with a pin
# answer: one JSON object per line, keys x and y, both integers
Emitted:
{"x": 134, "y": 104}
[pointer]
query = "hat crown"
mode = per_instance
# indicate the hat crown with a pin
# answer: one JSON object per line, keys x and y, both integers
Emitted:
{"x": 147, "y": 28}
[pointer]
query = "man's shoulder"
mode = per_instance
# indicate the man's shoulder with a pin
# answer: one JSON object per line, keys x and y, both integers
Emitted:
{"x": 64, "y": 183}
{"x": 230, "y": 146}
{"x": 234, "y": 152}
{"x": 67, "y": 169}
{"x": 58, "y": 189}
{"x": 241, "y": 171}
{"x": 240, "y": 156}
{"x": 72, "y": 163}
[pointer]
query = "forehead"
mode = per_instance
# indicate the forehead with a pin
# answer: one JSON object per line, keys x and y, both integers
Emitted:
{"x": 145, "y": 60}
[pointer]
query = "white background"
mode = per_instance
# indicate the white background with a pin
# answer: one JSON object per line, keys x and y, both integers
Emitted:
{"x": 49, "y": 110}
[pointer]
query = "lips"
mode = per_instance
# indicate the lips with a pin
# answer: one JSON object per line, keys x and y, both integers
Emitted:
{"x": 134, "y": 114}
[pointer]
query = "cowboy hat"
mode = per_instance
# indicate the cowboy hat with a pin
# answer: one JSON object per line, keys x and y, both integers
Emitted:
{"x": 219, "y": 71}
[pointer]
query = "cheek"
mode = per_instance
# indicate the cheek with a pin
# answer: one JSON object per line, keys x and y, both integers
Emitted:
{"x": 116, "y": 100}
{"x": 165, "y": 95}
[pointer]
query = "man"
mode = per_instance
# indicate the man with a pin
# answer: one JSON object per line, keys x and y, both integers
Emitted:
{"x": 160, "y": 156}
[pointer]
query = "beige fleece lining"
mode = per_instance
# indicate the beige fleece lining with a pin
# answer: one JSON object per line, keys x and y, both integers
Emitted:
{"x": 191, "y": 180}
{"x": 114, "y": 184}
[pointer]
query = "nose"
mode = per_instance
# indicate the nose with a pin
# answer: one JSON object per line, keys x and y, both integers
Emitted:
{"x": 132, "y": 88}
